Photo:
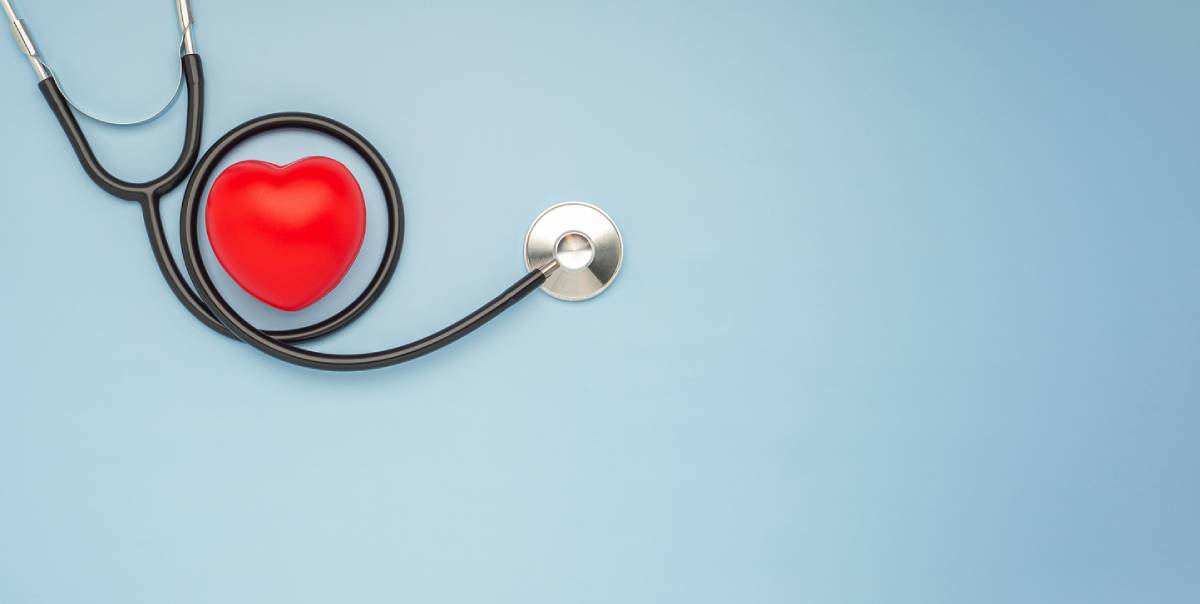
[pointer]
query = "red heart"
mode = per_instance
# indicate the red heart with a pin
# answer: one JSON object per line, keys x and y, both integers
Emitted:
{"x": 288, "y": 234}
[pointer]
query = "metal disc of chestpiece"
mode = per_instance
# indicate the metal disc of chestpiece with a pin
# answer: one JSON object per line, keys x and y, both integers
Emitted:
{"x": 586, "y": 244}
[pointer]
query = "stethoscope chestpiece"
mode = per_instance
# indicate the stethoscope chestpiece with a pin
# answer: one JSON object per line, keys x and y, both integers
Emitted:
{"x": 584, "y": 245}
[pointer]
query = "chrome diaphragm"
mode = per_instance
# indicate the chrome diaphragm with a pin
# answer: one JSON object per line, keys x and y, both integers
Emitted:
{"x": 585, "y": 244}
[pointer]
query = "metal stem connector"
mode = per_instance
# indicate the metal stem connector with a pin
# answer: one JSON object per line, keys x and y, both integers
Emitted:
{"x": 25, "y": 41}
{"x": 549, "y": 268}
{"x": 184, "y": 7}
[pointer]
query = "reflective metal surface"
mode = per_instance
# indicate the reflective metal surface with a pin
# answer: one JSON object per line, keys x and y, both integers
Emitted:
{"x": 584, "y": 242}
{"x": 184, "y": 9}
{"x": 24, "y": 40}
{"x": 20, "y": 32}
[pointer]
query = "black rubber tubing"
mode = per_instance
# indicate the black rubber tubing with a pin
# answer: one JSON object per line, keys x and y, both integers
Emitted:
{"x": 189, "y": 221}
{"x": 206, "y": 304}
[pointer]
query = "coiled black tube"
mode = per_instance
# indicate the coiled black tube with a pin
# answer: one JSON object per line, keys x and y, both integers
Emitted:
{"x": 188, "y": 231}
{"x": 205, "y": 303}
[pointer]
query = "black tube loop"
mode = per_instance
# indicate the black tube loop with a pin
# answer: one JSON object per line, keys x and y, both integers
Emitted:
{"x": 205, "y": 302}
{"x": 144, "y": 192}
{"x": 192, "y": 254}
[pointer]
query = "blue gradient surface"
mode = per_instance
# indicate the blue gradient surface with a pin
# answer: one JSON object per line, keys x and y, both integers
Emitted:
{"x": 910, "y": 311}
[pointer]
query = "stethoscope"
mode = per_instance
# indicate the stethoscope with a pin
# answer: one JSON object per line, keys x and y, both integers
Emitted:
{"x": 573, "y": 250}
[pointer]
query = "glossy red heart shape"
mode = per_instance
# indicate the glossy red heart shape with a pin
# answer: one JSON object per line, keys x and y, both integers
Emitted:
{"x": 286, "y": 234}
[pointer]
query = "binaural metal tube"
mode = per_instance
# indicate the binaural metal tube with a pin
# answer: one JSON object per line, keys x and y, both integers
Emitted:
{"x": 184, "y": 7}
{"x": 25, "y": 41}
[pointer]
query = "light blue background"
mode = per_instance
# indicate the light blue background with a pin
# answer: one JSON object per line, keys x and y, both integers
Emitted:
{"x": 910, "y": 311}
